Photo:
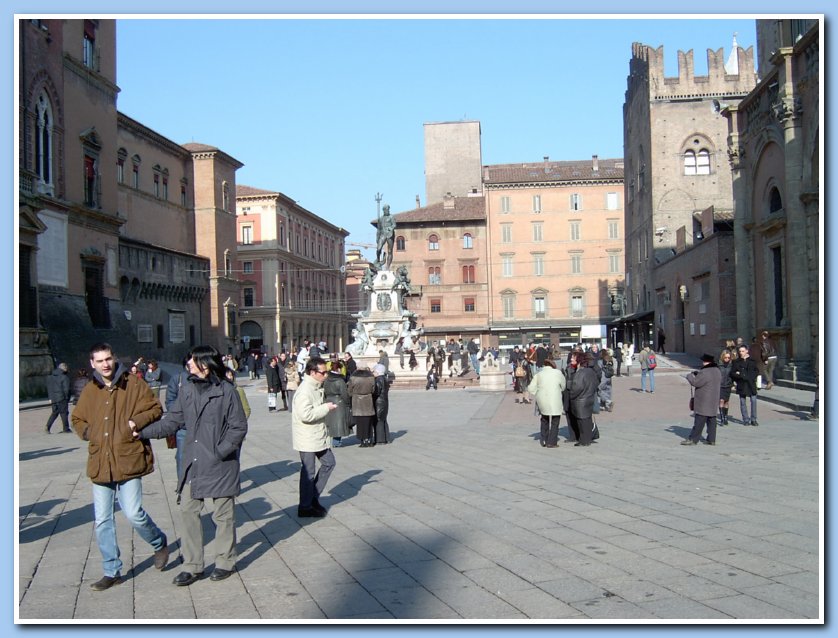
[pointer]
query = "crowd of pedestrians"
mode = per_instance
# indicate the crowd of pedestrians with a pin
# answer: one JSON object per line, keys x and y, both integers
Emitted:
{"x": 328, "y": 395}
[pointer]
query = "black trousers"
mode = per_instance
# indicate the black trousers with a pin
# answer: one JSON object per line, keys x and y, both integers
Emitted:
{"x": 61, "y": 409}
{"x": 582, "y": 428}
{"x": 550, "y": 429}
{"x": 699, "y": 421}
{"x": 363, "y": 427}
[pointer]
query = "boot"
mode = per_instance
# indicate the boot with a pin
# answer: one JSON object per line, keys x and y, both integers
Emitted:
{"x": 724, "y": 416}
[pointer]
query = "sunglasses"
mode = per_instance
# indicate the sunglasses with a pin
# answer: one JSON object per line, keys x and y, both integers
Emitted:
{"x": 323, "y": 372}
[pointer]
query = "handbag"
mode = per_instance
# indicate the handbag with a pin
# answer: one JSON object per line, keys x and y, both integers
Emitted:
{"x": 171, "y": 441}
{"x": 594, "y": 432}
{"x": 271, "y": 399}
{"x": 520, "y": 371}
{"x": 692, "y": 400}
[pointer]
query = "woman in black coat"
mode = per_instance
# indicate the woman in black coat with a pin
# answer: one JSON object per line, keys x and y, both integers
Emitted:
{"x": 745, "y": 371}
{"x": 209, "y": 409}
{"x": 272, "y": 379}
{"x": 582, "y": 387}
{"x": 381, "y": 396}
{"x": 335, "y": 391}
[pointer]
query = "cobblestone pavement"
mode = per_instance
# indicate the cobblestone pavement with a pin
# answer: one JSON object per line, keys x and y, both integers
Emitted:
{"x": 464, "y": 517}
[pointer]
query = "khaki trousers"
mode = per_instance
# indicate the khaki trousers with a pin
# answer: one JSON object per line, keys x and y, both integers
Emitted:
{"x": 192, "y": 537}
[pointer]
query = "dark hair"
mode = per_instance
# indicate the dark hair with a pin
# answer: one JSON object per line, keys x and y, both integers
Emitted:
{"x": 312, "y": 364}
{"x": 550, "y": 363}
{"x": 208, "y": 358}
{"x": 102, "y": 346}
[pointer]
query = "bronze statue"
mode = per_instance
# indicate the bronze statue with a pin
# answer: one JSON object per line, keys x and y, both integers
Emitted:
{"x": 385, "y": 238}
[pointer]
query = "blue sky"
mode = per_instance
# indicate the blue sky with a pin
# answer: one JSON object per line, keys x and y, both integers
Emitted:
{"x": 331, "y": 111}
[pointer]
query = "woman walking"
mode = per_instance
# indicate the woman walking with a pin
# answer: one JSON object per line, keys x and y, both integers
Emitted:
{"x": 546, "y": 388}
{"x": 292, "y": 381}
{"x": 209, "y": 409}
{"x": 582, "y": 394}
{"x": 726, "y": 385}
{"x": 335, "y": 391}
{"x": 361, "y": 386}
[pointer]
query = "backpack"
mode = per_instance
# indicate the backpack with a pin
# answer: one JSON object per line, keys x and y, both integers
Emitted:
{"x": 608, "y": 370}
{"x": 652, "y": 362}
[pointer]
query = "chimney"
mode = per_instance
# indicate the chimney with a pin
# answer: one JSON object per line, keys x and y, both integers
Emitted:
{"x": 448, "y": 201}
{"x": 418, "y": 205}
{"x": 546, "y": 163}
{"x": 595, "y": 161}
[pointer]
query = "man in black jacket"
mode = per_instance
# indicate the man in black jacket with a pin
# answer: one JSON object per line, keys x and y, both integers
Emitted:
{"x": 58, "y": 391}
{"x": 745, "y": 371}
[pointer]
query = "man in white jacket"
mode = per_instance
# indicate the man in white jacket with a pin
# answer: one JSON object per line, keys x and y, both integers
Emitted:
{"x": 311, "y": 438}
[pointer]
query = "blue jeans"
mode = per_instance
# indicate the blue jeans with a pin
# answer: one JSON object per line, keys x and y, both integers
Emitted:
{"x": 475, "y": 364}
{"x": 130, "y": 496}
{"x": 743, "y": 406}
{"x": 651, "y": 373}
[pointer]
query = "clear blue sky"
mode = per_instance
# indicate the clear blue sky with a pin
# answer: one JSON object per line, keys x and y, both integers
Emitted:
{"x": 330, "y": 111}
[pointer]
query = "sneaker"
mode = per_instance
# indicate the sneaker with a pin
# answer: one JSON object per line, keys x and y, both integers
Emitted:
{"x": 689, "y": 442}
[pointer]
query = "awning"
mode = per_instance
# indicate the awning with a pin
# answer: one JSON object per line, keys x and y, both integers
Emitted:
{"x": 646, "y": 315}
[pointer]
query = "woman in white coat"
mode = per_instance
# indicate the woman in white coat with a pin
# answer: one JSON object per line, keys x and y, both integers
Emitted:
{"x": 628, "y": 356}
{"x": 546, "y": 388}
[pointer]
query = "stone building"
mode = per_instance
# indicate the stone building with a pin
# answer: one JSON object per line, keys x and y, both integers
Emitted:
{"x": 676, "y": 166}
{"x": 775, "y": 150}
{"x": 291, "y": 270}
{"x": 108, "y": 247}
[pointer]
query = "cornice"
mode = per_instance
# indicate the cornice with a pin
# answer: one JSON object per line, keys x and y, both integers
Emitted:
{"x": 92, "y": 77}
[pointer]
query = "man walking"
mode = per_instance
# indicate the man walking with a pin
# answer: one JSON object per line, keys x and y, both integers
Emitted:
{"x": 58, "y": 391}
{"x": 707, "y": 383}
{"x": 745, "y": 371}
{"x": 768, "y": 354}
{"x": 311, "y": 438}
{"x": 111, "y": 407}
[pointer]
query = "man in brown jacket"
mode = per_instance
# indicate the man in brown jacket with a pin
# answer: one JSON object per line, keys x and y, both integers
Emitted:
{"x": 108, "y": 411}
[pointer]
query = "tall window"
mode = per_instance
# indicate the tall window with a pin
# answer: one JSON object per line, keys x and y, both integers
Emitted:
{"x": 165, "y": 188}
{"x": 506, "y": 233}
{"x": 576, "y": 264}
{"x": 436, "y": 305}
{"x": 183, "y": 194}
{"x": 43, "y": 141}
{"x": 156, "y": 184}
{"x": 468, "y": 274}
{"x": 538, "y": 232}
{"x": 775, "y": 201}
{"x": 538, "y": 264}
{"x": 247, "y": 234}
{"x": 468, "y": 304}
{"x": 91, "y": 195}
{"x": 575, "y": 232}
{"x": 433, "y": 242}
{"x": 539, "y": 306}
{"x": 507, "y": 265}
{"x": 434, "y": 276}
{"x": 120, "y": 170}
{"x": 508, "y": 306}
{"x": 614, "y": 263}
{"x": 225, "y": 197}
{"x": 577, "y": 305}
{"x": 468, "y": 241}
{"x": 247, "y": 266}
{"x": 89, "y": 45}
{"x": 504, "y": 205}
{"x": 612, "y": 201}
{"x": 400, "y": 242}
{"x": 613, "y": 229}
{"x": 135, "y": 171}
{"x": 248, "y": 296}
{"x": 536, "y": 203}
{"x": 575, "y": 201}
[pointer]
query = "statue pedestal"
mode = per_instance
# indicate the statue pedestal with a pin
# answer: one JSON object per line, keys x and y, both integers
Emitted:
{"x": 493, "y": 377}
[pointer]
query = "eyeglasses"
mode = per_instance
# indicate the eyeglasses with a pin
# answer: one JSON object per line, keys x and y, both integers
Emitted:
{"x": 323, "y": 372}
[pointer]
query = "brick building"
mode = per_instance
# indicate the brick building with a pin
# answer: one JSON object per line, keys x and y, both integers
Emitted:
{"x": 290, "y": 267}
{"x": 108, "y": 214}
{"x": 676, "y": 166}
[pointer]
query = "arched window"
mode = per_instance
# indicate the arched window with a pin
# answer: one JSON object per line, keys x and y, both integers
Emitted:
{"x": 434, "y": 276}
{"x": 468, "y": 274}
{"x": 689, "y": 163}
{"x": 703, "y": 162}
{"x": 468, "y": 241}
{"x": 400, "y": 242}
{"x": 43, "y": 142}
{"x": 775, "y": 201}
{"x": 433, "y": 242}
{"x": 228, "y": 263}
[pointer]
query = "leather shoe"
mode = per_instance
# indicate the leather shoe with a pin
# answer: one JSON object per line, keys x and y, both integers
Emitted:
{"x": 220, "y": 574}
{"x": 551, "y": 445}
{"x": 689, "y": 442}
{"x": 161, "y": 556}
{"x": 106, "y": 582}
{"x": 184, "y": 579}
{"x": 310, "y": 512}
{"x": 754, "y": 423}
